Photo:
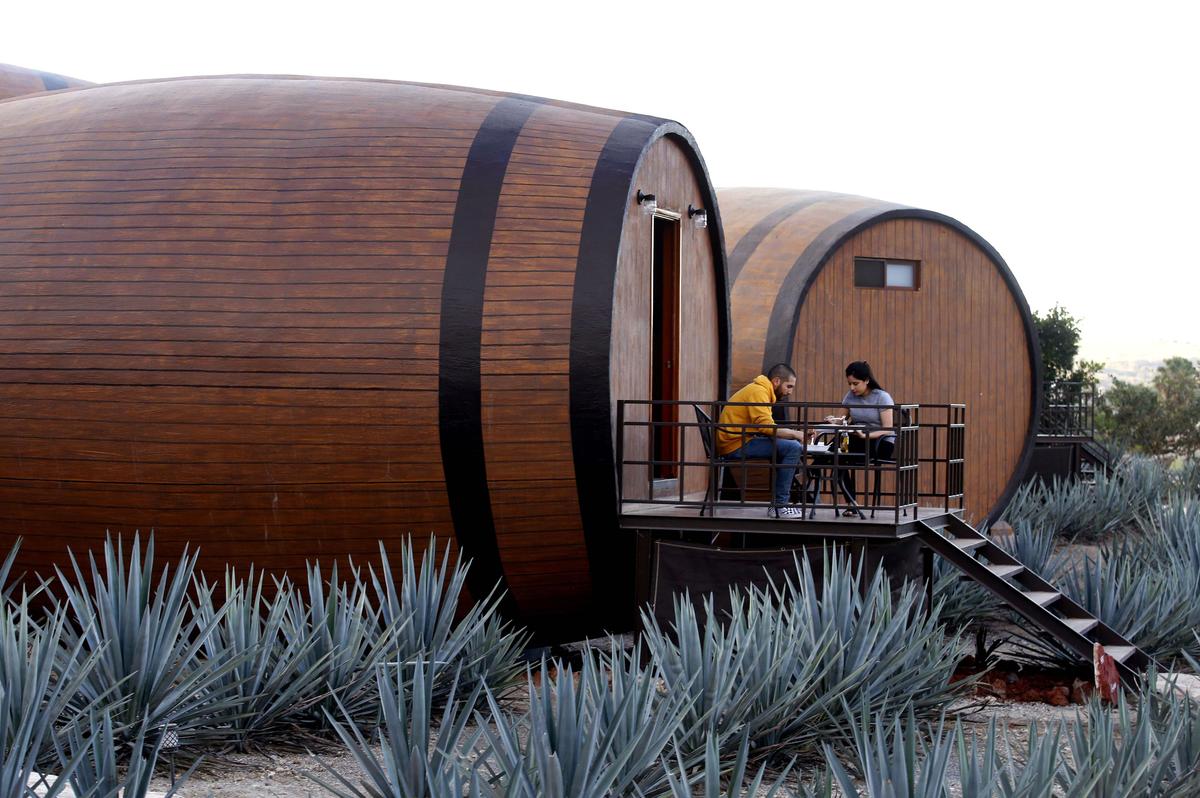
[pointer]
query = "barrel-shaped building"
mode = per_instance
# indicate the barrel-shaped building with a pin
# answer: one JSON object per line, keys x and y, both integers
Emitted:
{"x": 18, "y": 81}
{"x": 821, "y": 279}
{"x": 285, "y": 318}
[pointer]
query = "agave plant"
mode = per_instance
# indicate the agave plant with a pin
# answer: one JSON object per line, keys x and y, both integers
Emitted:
{"x": 892, "y": 760}
{"x": 6, "y": 587}
{"x": 480, "y": 647}
{"x": 788, "y": 659}
{"x": 702, "y": 662}
{"x": 716, "y": 781}
{"x": 1037, "y": 548}
{"x": 98, "y": 774}
{"x": 1150, "y": 601}
{"x": 34, "y": 695}
{"x": 273, "y": 675}
{"x": 889, "y": 650}
{"x": 417, "y": 759}
{"x": 603, "y": 733}
{"x": 1184, "y": 481}
{"x": 1171, "y": 533}
{"x": 1134, "y": 753}
{"x": 1082, "y": 512}
{"x": 146, "y": 643}
{"x": 987, "y": 766}
{"x": 349, "y": 642}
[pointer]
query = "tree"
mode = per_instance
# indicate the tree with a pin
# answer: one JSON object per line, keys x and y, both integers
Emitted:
{"x": 1131, "y": 416}
{"x": 1178, "y": 385}
{"x": 1161, "y": 418}
{"x": 1058, "y": 336}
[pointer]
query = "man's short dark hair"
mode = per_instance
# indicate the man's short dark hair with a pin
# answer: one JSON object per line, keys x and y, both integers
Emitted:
{"x": 781, "y": 370}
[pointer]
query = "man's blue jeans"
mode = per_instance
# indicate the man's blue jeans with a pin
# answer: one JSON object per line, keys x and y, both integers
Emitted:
{"x": 786, "y": 452}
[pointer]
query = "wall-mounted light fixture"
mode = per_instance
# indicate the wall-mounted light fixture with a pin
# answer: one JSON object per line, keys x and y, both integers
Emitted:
{"x": 649, "y": 202}
{"x": 699, "y": 216}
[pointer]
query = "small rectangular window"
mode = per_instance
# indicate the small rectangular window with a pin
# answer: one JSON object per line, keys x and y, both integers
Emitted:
{"x": 886, "y": 273}
{"x": 868, "y": 273}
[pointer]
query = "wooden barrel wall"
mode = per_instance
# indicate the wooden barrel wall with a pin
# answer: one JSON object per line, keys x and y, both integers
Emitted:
{"x": 966, "y": 335}
{"x": 285, "y": 319}
{"x": 18, "y": 81}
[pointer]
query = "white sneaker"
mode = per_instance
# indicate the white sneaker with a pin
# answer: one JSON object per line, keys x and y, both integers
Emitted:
{"x": 785, "y": 512}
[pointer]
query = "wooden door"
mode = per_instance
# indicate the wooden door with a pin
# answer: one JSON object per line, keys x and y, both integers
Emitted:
{"x": 664, "y": 366}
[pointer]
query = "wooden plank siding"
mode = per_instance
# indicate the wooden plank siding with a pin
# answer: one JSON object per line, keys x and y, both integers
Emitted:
{"x": 963, "y": 336}
{"x": 222, "y": 307}
{"x": 527, "y": 302}
{"x": 18, "y": 81}
{"x": 200, "y": 319}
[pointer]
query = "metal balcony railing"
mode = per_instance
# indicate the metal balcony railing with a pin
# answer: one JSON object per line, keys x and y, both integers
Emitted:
{"x": 1068, "y": 410}
{"x": 667, "y": 455}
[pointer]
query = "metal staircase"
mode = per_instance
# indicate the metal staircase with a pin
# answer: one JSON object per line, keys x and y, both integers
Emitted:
{"x": 1034, "y": 598}
{"x": 1097, "y": 456}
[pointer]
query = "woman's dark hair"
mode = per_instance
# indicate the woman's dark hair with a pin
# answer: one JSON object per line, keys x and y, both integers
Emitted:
{"x": 861, "y": 370}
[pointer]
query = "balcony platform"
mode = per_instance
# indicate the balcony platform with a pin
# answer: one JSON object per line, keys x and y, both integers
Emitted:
{"x": 821, "y": 521}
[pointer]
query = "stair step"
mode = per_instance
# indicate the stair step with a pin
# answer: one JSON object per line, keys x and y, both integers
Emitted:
{"x": 1081, "y": 625}
{"x": 966, "y": 544}
{"x": 1042, "y": 597}
{"x": 1005, "y": 571}
{"x": 1119, "y": 653}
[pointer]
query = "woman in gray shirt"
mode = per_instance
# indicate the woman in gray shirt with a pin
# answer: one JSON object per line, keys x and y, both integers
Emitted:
{"x": 868, "y": 405}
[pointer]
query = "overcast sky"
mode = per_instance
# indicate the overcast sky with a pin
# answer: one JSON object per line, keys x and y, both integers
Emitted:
{"x": 1064, "y": 133}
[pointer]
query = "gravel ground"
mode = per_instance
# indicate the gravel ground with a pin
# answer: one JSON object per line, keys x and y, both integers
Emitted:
{"x": 260, "y": 776}
{"x": 284, "y": 775}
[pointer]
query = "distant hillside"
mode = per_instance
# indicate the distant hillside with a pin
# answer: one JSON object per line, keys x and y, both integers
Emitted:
{"x": 1137, "y": 371}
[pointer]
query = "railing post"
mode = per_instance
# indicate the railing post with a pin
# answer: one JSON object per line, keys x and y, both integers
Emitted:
{"x": 621, "y": 453}
{"x": 683, "y": 428}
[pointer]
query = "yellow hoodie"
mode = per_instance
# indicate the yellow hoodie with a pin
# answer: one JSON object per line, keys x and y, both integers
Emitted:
{"x": 746, "y": 422}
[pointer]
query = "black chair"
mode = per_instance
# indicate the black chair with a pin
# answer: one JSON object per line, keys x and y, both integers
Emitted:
{"x": 716, "y": 463}
{"x": 875, "y": 462}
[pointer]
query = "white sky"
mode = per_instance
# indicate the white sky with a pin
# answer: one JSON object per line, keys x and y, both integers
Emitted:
{"x": 1063, "y": 132}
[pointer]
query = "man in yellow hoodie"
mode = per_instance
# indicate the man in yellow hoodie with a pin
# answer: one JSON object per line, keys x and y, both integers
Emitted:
{"x": 748, "y": 431}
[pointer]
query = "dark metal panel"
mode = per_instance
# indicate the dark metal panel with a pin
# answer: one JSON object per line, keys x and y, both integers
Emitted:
{"x": 611, "y": 560}
{"x": 459, "y": 393}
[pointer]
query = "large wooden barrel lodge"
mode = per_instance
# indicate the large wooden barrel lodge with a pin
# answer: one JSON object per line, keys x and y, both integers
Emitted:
{"x": 820, "y": 279}
{"x": 18, "y": 81}
{"x": 285, "y": 318}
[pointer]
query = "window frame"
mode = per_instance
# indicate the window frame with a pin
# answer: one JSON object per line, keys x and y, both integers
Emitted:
{"x": 883, "y": 263}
